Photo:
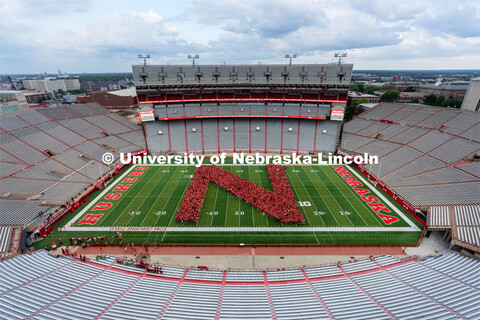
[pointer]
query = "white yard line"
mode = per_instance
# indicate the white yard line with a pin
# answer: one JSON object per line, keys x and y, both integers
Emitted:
{"x": 413, "y": 227}
{"x": 251, "y": 207}
{"x": 263, "y": 213}
{"x": 145, "y": 199}
{"x": 242, "y": 229}
{"x": 312, "y": 202}
{"x": 326, "y": 188}
{"x": 356, "y": 195}
{"x": 158, "y": 197}
{"x": 381, "y": 196}
{"x": 178, "y": 204}
{"x": 97, "y": 198}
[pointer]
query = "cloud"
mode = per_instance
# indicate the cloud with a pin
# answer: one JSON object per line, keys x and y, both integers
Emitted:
{"x": 265, "y": 18}
{"x": 106, "y": 36}
{"x": 462, "y": 21}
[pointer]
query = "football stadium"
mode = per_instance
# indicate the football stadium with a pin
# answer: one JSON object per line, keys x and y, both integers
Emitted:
{"x": 97, "y": 211}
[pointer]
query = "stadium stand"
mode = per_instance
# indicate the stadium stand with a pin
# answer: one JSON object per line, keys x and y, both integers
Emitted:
{"x": 438, "y": 218}
{"x": 240, "y": 134}
{"x": 462, "y": 221}
{"x": 5, "y": 237}
{"x": 49, "y": 156}
{"x": 252, "y": 111}
{"x": 244, "y": 276}
{"x": 424, "y": 156}
{"x": 444, "y": 286}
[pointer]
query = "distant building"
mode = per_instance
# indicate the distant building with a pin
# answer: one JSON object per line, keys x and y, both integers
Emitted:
{"x": 38, "y": 97}
{"x": 471, "y": 102}
{"x": 400, "y": 86}
{"x": 52, "y": 84}
{"x": 11, "y": 100}
{"x": 119, "y": 98}
{"x": 365, "y": 106}
{"x": 412, "y": 96}
{"x": 356, "y": 96}
{"x": 457, "y": 91}
{"x": 69, "y": 98}
{"x": 101, "y": 85}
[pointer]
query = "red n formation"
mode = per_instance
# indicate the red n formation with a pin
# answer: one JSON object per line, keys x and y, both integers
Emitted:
{"x": 279, "y": 203}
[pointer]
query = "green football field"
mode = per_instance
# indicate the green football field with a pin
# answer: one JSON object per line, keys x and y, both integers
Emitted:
{"x": 334, "y": 212}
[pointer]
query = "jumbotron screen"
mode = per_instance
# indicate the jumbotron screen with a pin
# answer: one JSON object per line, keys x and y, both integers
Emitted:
{"x": 146, "y": 115}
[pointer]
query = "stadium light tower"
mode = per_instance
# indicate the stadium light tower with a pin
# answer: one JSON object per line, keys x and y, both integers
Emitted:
{"x": 193, "y": 57}
{"x": 290, "y": 56}
{"x": 340, "y": 55}
{"x": 144, "y": 57}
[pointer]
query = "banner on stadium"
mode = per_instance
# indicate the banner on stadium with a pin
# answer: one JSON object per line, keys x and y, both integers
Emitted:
{"x": 337, "y": 115}
{"x": 146, "y": 115}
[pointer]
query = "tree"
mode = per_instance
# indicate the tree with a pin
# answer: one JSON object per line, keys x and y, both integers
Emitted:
{"x": 351, "y": 110}
{"x": 440, "y": 100}
{"x": 451, "y": 103}
{"x": 77, "y": 91}
{"x": 390, "y": 96}
{"x": 369, "y": 90}
{"x": 357, "y": 88}
{"x": 431, "y": 100}
{"x": 410, "y": 89}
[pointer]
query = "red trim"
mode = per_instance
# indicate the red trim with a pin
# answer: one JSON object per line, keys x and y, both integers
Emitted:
{"x": 243, "y": 99}
{"x": 203, "y": 144}
{"x": 421, "y": 237}
{"x": 234, "y": 149}
{"x": 186, "y": 136}
{"x": 243, "y": 116}
{"x": 405, "y": 204}
{"x": 169, "y": 140}
{"x": 250, "y": 135}
{"x": 218, "y": 135}
{"x": 281, "y": 140}
{"x": 266, "y": 282}
{"x": 298, "y": 136}
{"x": 265, "y": 136}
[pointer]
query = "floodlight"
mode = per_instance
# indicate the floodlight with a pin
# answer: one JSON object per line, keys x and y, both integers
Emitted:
{"x": 290, "y": 56}
{"x": 143, "y": 56}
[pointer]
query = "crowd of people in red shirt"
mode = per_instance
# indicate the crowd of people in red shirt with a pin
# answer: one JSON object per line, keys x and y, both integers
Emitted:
{"x": 279, "y": 204}
{"x": 150, "y": 267}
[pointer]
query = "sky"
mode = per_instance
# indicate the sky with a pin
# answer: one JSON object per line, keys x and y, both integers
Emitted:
{"x": 106, "y": 36}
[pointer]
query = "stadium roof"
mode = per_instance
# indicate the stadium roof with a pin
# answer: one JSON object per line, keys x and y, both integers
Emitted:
{"x": 446, "y": 86}
{"x": 130, "y": 92}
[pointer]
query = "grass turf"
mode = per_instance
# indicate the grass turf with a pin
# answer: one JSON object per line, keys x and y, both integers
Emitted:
{"x": 325, "y": 199}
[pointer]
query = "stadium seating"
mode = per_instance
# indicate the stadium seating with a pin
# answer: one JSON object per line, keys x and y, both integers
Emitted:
{"x": 73, "y": 136}
{"x": 241, "y": 135}
{"x": 421, "y": 150}
{"x": 445, "y": 286}
{"x": 244, "y": 276}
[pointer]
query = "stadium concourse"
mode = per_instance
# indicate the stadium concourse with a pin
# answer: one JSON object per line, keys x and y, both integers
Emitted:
{"x": 444, "y": 286}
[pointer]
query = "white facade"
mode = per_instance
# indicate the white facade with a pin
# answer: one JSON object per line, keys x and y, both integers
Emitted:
{"x": 11, "y": 100}
{"x": 471, "y": 102}
{"x": 52, "y": 84}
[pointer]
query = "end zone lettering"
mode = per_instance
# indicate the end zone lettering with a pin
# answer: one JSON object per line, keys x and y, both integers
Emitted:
{"x": 373, "y": 202}
{"x": 93, "y": 218}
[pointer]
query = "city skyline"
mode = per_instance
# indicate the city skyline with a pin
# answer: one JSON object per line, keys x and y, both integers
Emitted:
{"x": 107, "y": 36}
